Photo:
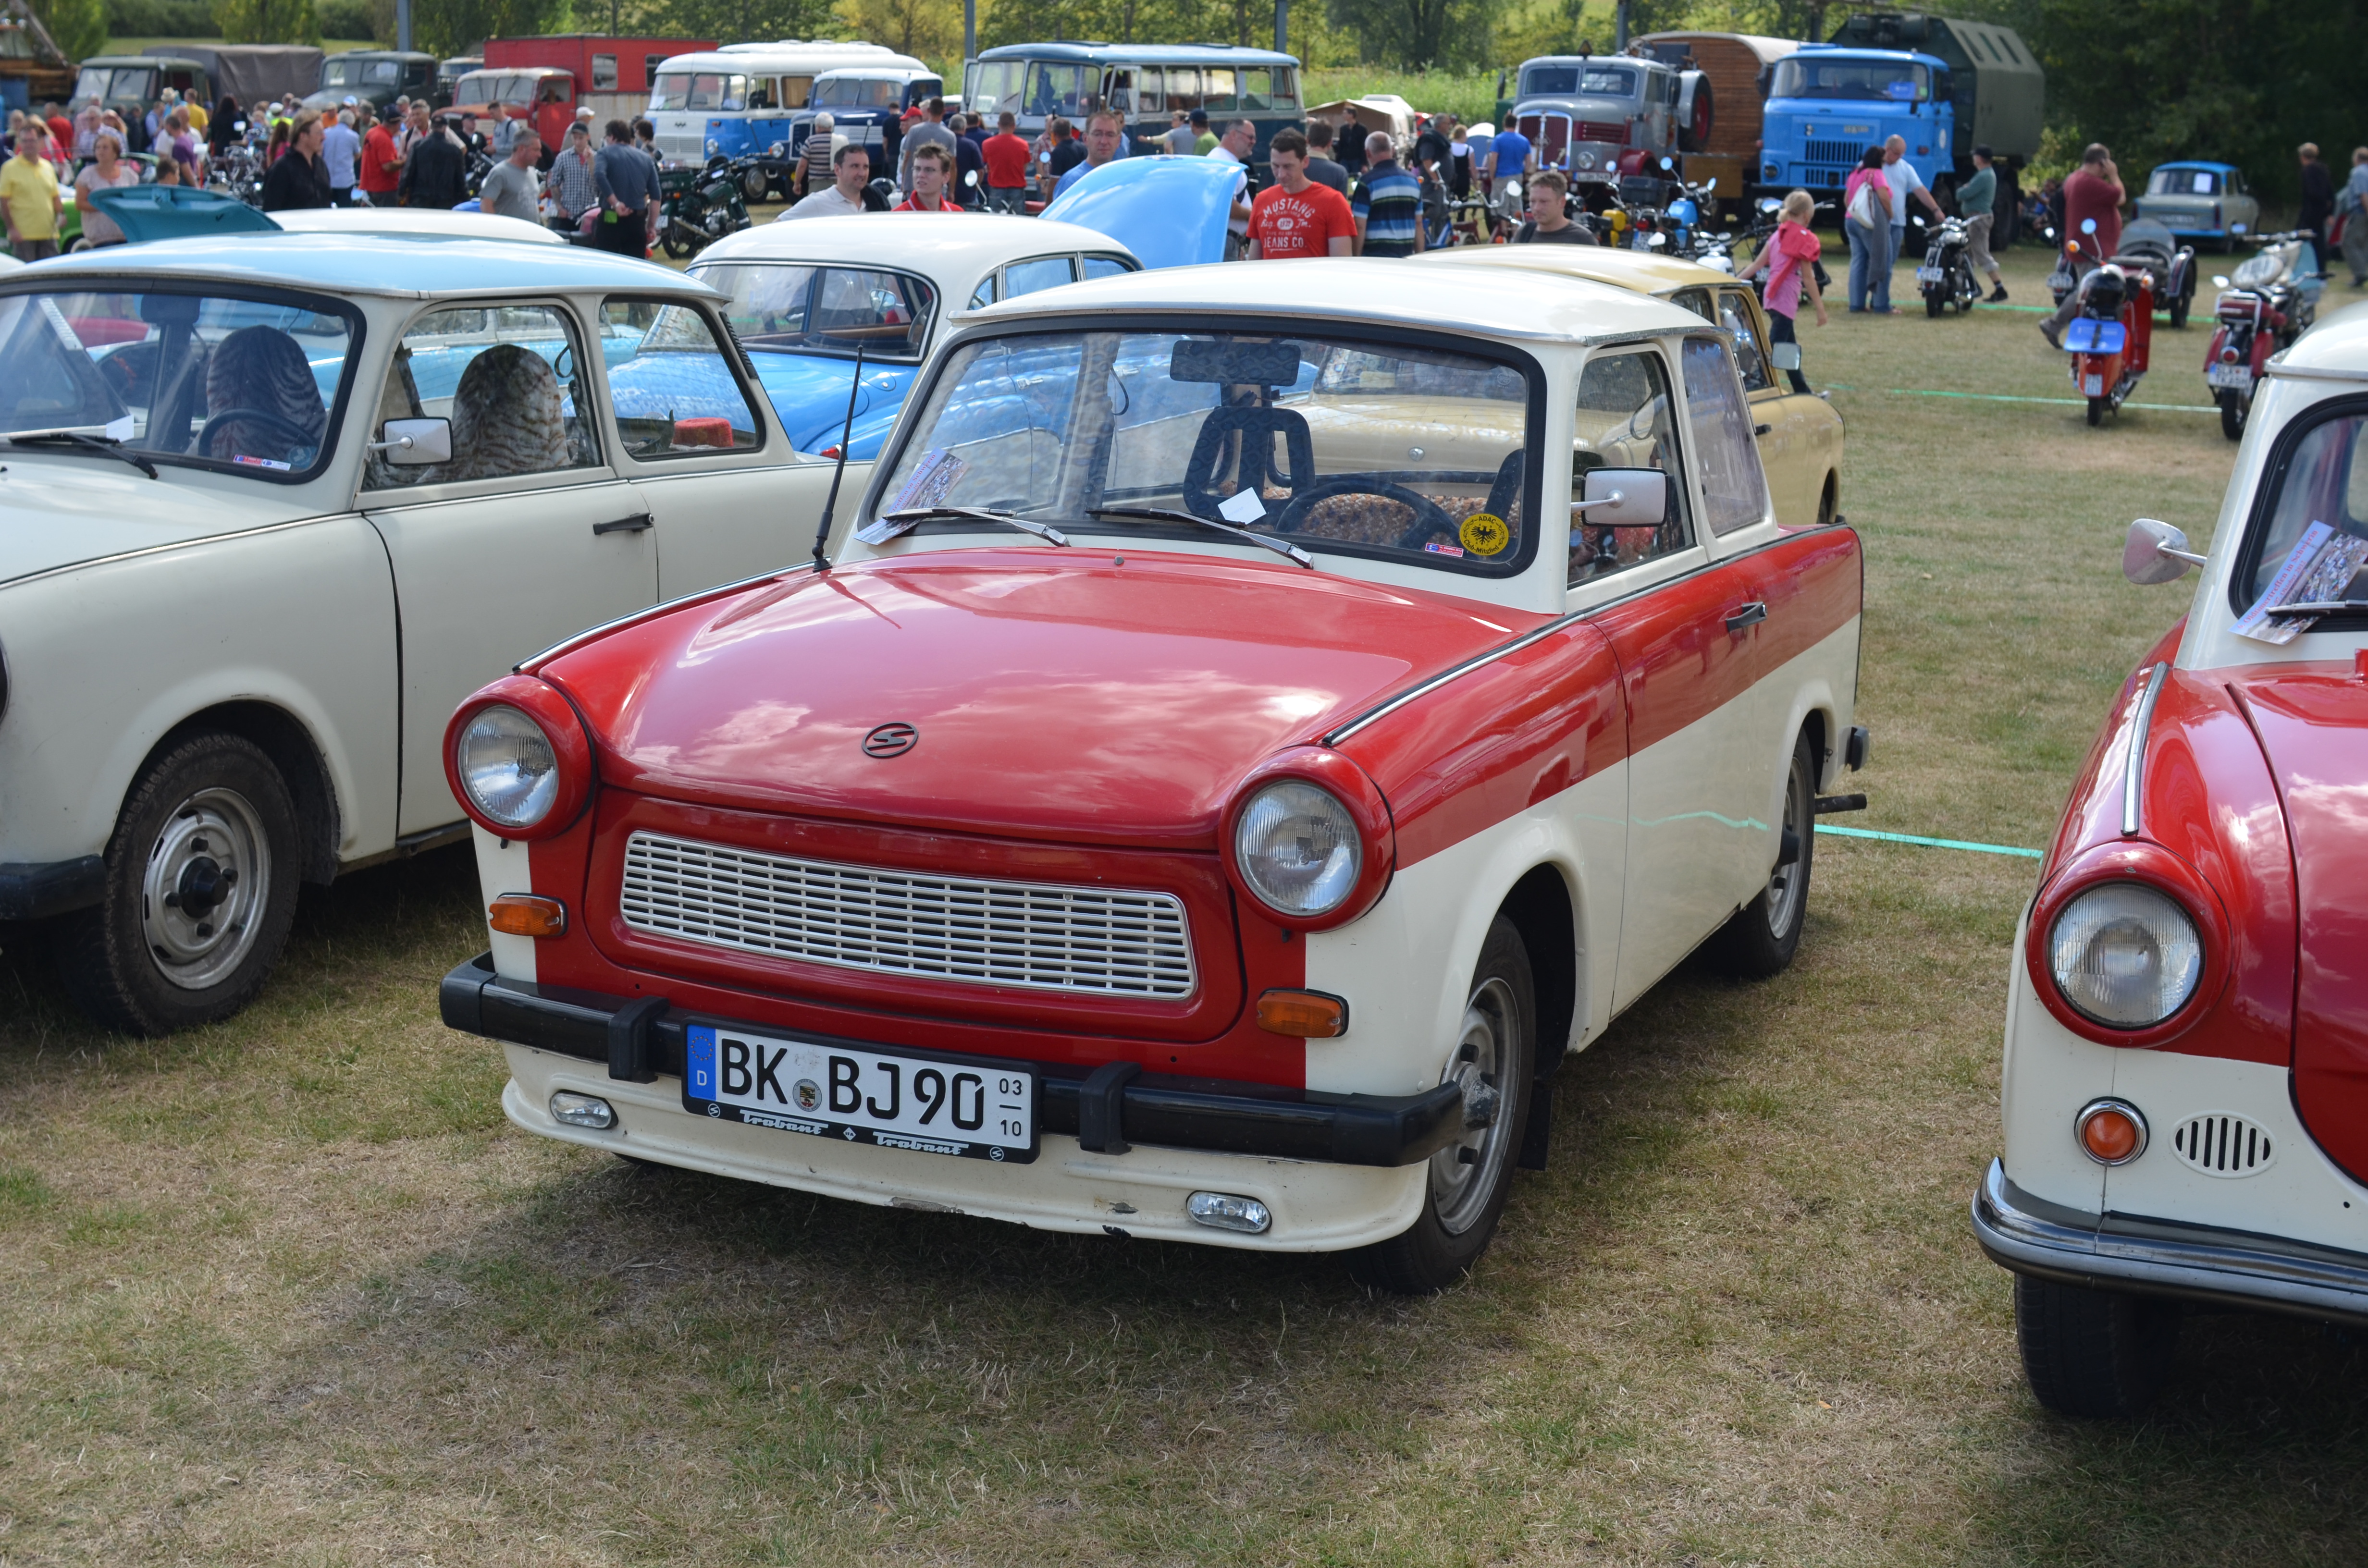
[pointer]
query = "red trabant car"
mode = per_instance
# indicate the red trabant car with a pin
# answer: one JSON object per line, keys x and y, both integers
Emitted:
{"x": 2186, "y": 1089}
{"x": 1240, "y": 749}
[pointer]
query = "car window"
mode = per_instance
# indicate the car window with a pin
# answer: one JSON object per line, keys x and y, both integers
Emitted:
{"x": 509, "y": 380}
{"x": 671, "y": 383}
{"x": 1044, "y": 272}
{"x": 806, "y": 310}
{"x": 1696, "y": 300}
{"x": 1107, "y": 267}
{"x": 2322, "y": 480}
{"x": 1625, "y": 420}
{"x": 1735, "y": 491}
{"x": 1750, "y": 357}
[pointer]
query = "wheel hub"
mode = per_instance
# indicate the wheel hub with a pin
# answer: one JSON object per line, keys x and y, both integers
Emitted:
{"x": 202, "y": 893}
{"x": 1463, "y": 1173}
{"x": 1786, "y": 886}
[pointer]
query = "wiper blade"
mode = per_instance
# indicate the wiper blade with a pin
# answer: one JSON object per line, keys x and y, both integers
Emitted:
{"x": 1168, "y": 515}
{"x": 105, "y": 446}
{"x": 912, "y": 514}
{"x": 2318, "y": 606}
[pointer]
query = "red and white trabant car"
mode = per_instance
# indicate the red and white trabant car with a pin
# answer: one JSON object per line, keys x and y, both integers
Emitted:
{"x": 2186, "y": 1086}
{"x": 1241, "y": 749}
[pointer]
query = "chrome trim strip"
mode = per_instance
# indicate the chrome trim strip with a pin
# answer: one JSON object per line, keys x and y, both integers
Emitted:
{"x": 1393, "y": 704}
{"x": 2134, "y": 766}
{"x": 2313, "y": 372}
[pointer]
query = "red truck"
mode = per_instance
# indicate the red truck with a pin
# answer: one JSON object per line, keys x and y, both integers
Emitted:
{"x": 545, "y": 80}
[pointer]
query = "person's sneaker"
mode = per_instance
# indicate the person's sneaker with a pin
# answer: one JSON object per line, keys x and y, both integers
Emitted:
{"x": 2047, "y": 330}
{"x": 1998, "y": 295}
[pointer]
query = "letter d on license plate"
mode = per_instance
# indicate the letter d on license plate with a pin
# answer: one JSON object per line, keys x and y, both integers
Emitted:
{"x": 931, "y": 1105}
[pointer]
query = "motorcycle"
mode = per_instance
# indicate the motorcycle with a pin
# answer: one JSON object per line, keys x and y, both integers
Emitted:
{"x": 2144, "y": 243}
{"x": 2273, "y": 300}
{"x": 238, "y": 169}
{"x": 699, "y": 206}
{"x": 2109, "y": 340}
{"x": 2038, "y": 220}
{"x": 1947, "y": 277}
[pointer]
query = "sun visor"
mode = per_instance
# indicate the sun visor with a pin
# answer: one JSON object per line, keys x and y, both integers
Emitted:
{"x": 1168, "y": 212}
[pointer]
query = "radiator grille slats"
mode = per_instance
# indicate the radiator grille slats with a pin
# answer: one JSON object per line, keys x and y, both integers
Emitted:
{"x": 2222, "y": 1144}
{"x": 1824, "y": 149}
{"x": 1092, "y": 942}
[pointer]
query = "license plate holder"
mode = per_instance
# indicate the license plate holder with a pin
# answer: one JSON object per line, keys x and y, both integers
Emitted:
{"x": 2237, "y": 376}
{"x": 1930, "y": 275}
{"x": 965, "y": 1106}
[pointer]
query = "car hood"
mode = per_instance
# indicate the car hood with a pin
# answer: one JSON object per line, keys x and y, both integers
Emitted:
{"x": 809, "y": 392}
{"x": 63, "y": 511}
{"x": 1055, "y": 696}
{"x": 1168, "y": 212}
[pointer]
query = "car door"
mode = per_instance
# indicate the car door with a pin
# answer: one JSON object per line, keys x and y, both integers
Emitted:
{"x": 526, "y": 536}
{"x": 1664, "y": 603}
{"x": 727, "y": 497}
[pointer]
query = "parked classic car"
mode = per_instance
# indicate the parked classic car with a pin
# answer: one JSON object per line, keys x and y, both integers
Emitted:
{"x": 1799, "y": 435}
{"x": 1246, "y": 743}
{"x": 2186, "y": 1089}
{"x": 2201, "y": 201}
{"x": 275, "y": 503}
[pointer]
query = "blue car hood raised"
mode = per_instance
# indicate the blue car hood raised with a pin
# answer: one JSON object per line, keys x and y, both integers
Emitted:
{"x": 147, "y": 213}
{"x": 809, "y": 392}
{"x": 1168, "y": 212}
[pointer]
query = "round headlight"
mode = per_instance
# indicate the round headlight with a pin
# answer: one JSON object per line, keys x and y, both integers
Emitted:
{"x": 506, "y": 765}
{"x": 1298, "y": 848}
{"x": 2125, "y": 955}
{"x": 1584, "y": 160}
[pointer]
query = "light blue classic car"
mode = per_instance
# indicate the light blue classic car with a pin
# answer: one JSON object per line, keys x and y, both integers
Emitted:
{"x": 2201, "y": 202}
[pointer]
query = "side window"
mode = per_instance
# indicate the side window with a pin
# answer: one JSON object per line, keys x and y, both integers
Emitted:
{"x": 984, "y": 295}
{"x": 1032, "y": 277}
{"x": 1625, "y": 420}
{"x": 672, "y": 383}
{"x": 889, "y": 312}
{"x": 1183, "y": 88}
{"x": 1750, "y": 356}
{"x": 1696, "y": 300}
{"x": 510, "y": 380}
{"x": 1106, "y": 266}
{"x": 1735, "y": 491}
{"x": 604, "y": 73}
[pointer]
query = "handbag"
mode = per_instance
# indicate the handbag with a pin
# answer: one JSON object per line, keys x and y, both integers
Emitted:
{"x": 1862, "y": 209}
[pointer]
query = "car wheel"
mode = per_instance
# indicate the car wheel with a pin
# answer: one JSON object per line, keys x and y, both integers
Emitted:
{"x": 200, "y": 892}
{"x": 2231, "y": 415}
{"x": 1468, "y": 1181}
{"x": 2092, "y": 1354}
{"x": 1760, "y": 939}
{"x": 753, "y": 186}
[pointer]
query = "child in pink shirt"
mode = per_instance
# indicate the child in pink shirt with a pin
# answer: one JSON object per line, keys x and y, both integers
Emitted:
{"x": 1789, "y": 260}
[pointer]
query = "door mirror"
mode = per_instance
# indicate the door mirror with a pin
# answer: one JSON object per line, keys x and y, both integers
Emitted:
{"x": 2155, "y": 552}
{"x": 415, "y": 442}
{"x": 1668, "y": 163}
{"x": 2087, "y": 226}
{"x": 1622, "y": 498}
{"x": 2219, "y": 280}
{"x": 1710, "y": 185}
{"x": 1785, "y": 355}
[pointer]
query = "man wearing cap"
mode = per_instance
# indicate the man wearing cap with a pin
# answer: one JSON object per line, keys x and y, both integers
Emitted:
{"x": 570, "y": 184}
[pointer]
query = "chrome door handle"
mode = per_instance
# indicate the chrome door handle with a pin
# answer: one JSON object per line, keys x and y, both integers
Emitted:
{"x": 1749, "y": 614}
{"x": 632, "y": 525}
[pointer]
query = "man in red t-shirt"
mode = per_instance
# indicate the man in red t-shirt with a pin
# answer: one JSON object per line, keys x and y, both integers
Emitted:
{"x": 1006, "y": 167}
{"x": 381, "y": 166}
{"x": 1294, "y": 217}
{"x": 2094, "y": 191}
{"x": 932, "y": 166}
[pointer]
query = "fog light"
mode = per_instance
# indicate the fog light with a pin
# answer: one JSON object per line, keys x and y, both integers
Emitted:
{"x": 1227, "y": 1212}
{"x": 592, "y": 1111}
{"x": 2111, "y": 1133}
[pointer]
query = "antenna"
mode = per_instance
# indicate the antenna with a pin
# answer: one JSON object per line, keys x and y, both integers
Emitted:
{"x": 845, "y": 438}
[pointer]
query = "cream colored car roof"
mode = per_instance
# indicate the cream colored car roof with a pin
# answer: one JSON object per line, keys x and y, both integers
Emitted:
{"x": 1640, "y": 270}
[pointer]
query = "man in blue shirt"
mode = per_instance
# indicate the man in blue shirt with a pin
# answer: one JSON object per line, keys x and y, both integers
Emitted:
{"x": 1510, "y": 157}
{"x": 1105, "y": 135}
{"x": 1387, "y": 204}
{"x": 341, "y": 159}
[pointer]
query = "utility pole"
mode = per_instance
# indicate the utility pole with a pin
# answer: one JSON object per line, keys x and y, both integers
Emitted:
{"x": 970, "y": 31}
{"x": 1282, "y": 27}
{"x": 403, "y": 24}
{"x": 1620, "y": 28}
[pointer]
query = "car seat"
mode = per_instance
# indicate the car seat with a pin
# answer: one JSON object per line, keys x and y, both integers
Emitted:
{"x": 507, "y": 418}
{"x": 260, "y": 371}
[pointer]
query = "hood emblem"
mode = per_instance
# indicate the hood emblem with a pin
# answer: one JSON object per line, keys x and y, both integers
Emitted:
{"x": 890, "y": 740}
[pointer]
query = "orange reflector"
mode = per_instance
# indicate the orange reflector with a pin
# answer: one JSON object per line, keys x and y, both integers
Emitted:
{"x": 526, "y": 914}
{"x": 2110, "y": 1135}
{"x": 1309, "y": 1014}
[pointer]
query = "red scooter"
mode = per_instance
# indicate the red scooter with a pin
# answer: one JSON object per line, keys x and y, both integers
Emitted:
{"x": 2109, "y": 338}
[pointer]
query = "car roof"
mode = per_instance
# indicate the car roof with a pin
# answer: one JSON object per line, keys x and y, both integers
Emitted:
{"x": 1149, "y": 53}
{"x": 2197, "y": 163}
{"x": 951, "y": 249}
{"x": 419, "y": 222}
{"x": 758, "y": 57}
{"x": 2339, "y": 342}
{"x": 1640, "y": 270}
{"x": 391, "y": 265}
{"x": 1518, "y": 307}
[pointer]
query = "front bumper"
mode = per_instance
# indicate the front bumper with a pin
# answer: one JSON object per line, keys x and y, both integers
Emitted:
{"x": 2162, "y": 1257}
{"x": 634, "y": 1039}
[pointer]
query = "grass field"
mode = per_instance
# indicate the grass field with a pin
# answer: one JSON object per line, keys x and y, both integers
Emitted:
{"x": 290, "y": 1290}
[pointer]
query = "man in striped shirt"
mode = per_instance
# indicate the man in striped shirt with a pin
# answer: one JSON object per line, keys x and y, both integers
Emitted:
{"x": 1387, "y": 204}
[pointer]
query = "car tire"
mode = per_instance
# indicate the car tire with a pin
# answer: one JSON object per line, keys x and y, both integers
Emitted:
{"x": 2231, "y": 415}
{"x": 2093, "y": 1355}
{"x": 200, "y": 893}
{"x": 1467, "y": 1183}
{"x": 1760, "y": 939}
{"x": 755, "y": 187}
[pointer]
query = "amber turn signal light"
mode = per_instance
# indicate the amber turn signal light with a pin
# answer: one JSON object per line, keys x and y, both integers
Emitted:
{"x": 1309, "y": 1014}
{"x": 527, "y": 915}
{"x": 2111, "y": 1133}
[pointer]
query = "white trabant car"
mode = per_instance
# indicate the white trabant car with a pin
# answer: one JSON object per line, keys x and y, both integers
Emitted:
{"x": 1260, "y": 726}
{"x": 273, "y": 505}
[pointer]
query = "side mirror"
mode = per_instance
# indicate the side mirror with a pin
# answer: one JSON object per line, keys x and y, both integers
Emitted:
{"x": 1668, "y": 163}
{"x": 1785, "y": 355}
{"x": 2235, "y": 227}
{"x": 1512, "y": 190}
{"x": 1622, "y": 498}
{"x": 413, "y": 443}
{"x": 2155, "y": 552}
{"x": 2219, "y": 280}
{"x": 1770, "y": 204}
{"x": 2087, "y": 226}
{"x": 1657, "y": 239}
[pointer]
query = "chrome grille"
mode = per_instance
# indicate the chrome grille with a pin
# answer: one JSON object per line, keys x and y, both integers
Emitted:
{"x": 1096, "y": 941}
{"x": 2222, "y": 1144}
{"x": 1824, "y": 150}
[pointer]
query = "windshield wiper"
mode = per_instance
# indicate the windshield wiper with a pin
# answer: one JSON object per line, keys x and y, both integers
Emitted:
{"x": 105, "y": 446}
{"x": 2318, "y": 606}
{"x": 1167, "y": 515}
{"x": 975, "y": 513}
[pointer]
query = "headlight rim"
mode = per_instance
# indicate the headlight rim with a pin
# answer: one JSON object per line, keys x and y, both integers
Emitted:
{"x": 2151, "y": 866}
{"x": 561, "y": 727}
{"x": 1347, "y": 784}
{"x": 2065, "y": 911}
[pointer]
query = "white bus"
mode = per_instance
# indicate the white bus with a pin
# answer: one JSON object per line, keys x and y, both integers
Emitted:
{"x": 739, "y": 97}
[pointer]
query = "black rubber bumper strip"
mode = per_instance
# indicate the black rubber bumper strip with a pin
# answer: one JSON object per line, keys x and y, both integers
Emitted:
{"x": 638, "y": 1037}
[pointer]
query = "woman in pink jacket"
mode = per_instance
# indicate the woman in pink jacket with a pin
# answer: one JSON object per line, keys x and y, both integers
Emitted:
{"x": 1870, "y": 243}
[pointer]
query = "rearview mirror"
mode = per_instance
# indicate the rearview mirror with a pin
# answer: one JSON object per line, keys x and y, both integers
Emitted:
{"x": 1710, "y": 185}
{"x": 1785, "y": 355}
{"x": 415, "y": 442}
{"x": 2155, "y": 552}
{"x": 2087, "y": 226}
{"x": 1770, "y": 204}
{"x": 1622, "y": 498}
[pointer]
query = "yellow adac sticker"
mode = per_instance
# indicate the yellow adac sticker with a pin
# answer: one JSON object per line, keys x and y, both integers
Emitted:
{"x": 1485, "y": 533}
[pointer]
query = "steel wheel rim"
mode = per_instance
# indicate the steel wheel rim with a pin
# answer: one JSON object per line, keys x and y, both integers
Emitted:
{"x": 1485, "y": 1047}
{"x": 202, "y": 892}
{"x": 1788, "y": 885}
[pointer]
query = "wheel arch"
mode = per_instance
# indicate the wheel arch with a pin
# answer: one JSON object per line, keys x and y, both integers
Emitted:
{"x": 1541, "y": 908}
{"x": 285, "y": 739}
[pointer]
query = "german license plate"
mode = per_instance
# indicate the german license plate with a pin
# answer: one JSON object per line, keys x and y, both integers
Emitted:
{"x": 932, "y": 1105}
{"x": 1930, "y": 275}
{"x": 2237, "y": 376}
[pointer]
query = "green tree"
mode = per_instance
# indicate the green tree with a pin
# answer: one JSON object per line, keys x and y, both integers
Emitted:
{"x": 926, "y": 30}
{"x": 731, "y": 21}
{"x": 1417, "y": 35}
{"x": 266, "y": 21}
{"x": 77, "y": 27}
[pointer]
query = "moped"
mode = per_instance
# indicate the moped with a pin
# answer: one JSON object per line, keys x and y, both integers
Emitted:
{"x": 2109, "y": 340}
{"x": 2274, "y": 298}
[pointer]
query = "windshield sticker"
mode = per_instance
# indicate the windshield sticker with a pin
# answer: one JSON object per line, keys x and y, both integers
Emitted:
{"x": 1242, "y": 506}
{"x": 260, "y": 462}
{"x": 1903, "y": 89}
{"x": 2319, "y": 567}
{"x": 1485, "y": 533}
{"x": 1438, "y": 549}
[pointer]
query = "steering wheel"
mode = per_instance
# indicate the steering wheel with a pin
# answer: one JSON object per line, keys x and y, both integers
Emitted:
{"x": 298, "y": 435}
{"x": 1430, "y": 518}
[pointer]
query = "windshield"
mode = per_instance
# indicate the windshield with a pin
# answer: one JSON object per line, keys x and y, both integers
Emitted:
{"x": 826, "y": 310}
{"x": 994, "y": 83}
{"x": 2183, "y": 182}
{"x": 1345, "y": 445}
{"x": 857, "y": 92}
{"x": 243, "y": 383}
{"x": 1565, "y": 81}
{"x": 2310, "y": 537}
{"x": 1810, "y": 77}
{"x": 1060, "y": 89}
{"x": 698, "y": 90}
